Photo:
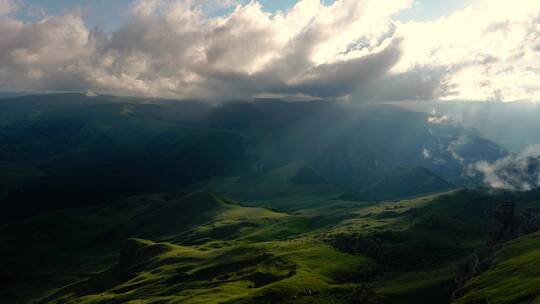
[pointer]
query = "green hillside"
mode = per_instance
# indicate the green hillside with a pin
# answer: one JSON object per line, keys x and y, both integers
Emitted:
{"x": 299, "y": 186}
{"x": 513, "y": 276}
{"x": 183, "y": 247}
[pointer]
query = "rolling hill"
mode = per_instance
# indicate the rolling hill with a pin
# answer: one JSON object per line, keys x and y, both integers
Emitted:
{"x": 183, "y": 247}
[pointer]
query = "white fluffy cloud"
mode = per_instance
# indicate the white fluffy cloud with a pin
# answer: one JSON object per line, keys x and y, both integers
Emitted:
{"x": 352, "y": 48}
{"x": 515, "y": 172}
{"x": 490, "y": 50}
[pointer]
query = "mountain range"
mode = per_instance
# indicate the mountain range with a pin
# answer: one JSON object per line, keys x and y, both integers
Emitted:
{"x": 107, "y": 199}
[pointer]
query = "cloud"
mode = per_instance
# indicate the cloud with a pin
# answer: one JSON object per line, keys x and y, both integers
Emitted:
{"x": 9, "y": 6}
{"x": 516, "y": 172}
{"x": 174, "y": 49}
{"x": 44, "y": 55}
{"x": 349, "y": 49}
{"x": 488, "y": 50}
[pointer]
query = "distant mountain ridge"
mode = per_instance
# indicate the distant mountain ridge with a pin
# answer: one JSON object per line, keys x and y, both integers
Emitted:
{"x": 513, "y": 125}
{"x": 15, "y": 94}
{"x": 67, "y": 149}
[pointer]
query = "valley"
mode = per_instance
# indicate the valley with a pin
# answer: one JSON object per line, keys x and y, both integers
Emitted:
{"x": 269, "y": 152}
{"x": 117, "y": 200}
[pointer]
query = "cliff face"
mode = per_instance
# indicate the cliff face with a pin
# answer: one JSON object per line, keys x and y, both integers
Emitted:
{"x": 469, "y": 269}
{"x": 507, "y": 226}
{"x": 529, "y": 222}
{"x": 513, "y": 276}
{"x": 504, "y": 225}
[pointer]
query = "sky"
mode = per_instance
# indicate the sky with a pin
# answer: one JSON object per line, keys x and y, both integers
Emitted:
{"x": 358, "y": 50}
{"x": 109, "y": 15}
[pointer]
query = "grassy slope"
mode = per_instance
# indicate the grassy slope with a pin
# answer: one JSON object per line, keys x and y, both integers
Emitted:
{"x": 275, "y": 271}
{"x": 212, "y": 250}
{"x": 285, "y": 188}
{"x": 55, "y": 249}
{"x": 422, "y": 240}
{"x": 514, "y": 276}
{"x": 297, "y": 186}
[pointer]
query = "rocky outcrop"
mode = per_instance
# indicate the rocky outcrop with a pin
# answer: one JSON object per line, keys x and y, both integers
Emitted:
{"x": 507, "y": 226}
{"x": 466, "y": 271}
{"x": 529, "y": 222}
{"x": 503, "y": 227}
